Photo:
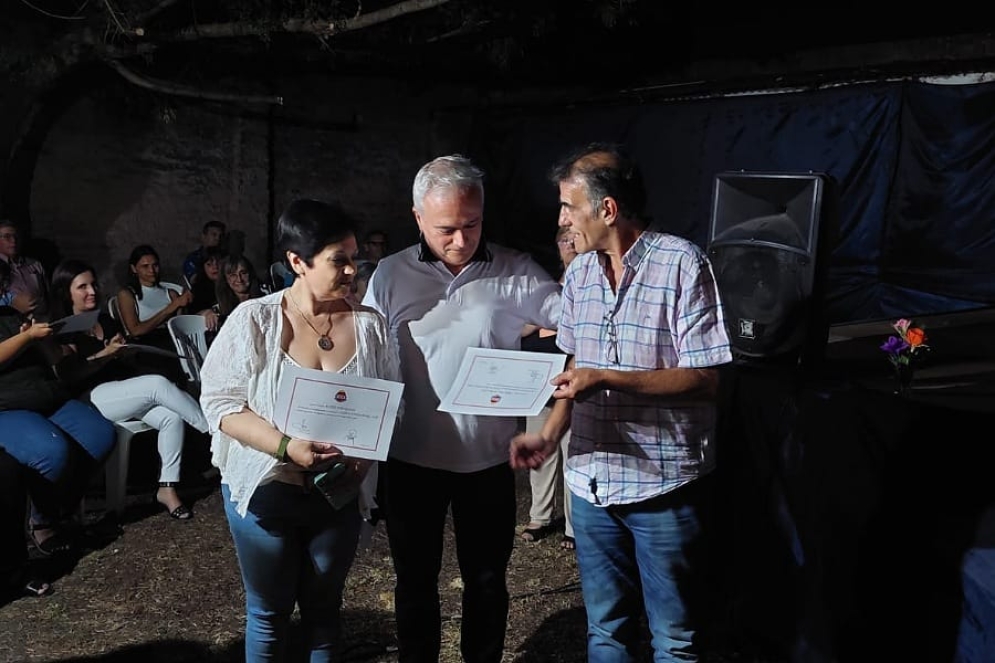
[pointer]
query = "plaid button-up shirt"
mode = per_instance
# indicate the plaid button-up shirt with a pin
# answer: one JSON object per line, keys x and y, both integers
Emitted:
{"x": 624, "y": 447}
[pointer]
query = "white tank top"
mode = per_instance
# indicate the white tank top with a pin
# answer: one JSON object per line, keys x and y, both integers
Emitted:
{"x": 153, "y": 300}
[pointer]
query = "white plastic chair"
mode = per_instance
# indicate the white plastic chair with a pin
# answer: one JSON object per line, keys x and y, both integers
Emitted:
{"x": 116, "y": 468}
{"x": 113, "y": 309}
{"x": 189, "y": 334}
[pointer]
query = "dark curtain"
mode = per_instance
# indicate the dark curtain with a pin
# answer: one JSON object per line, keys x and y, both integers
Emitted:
{"x": 913, "y": 163}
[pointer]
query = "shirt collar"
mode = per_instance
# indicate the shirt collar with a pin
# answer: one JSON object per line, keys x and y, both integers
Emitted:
{"x": 425, "y": 254}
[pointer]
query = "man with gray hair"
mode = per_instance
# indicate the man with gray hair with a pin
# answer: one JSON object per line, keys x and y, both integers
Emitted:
{"x": 450, "y": 292}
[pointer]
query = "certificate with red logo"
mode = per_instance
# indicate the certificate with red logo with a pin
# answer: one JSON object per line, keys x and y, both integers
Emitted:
{"x": 503, "y": 383}
{"x": 355, "y": 414}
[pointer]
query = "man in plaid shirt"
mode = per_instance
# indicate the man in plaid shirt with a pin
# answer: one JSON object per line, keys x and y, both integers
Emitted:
{"x": 642, "y": 320}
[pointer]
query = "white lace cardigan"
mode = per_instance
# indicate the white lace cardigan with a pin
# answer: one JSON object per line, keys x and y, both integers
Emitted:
{"x": 242, "y": 369}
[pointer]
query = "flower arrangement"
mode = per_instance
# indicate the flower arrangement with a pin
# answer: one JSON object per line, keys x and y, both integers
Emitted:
{"x": 903, "y": 348}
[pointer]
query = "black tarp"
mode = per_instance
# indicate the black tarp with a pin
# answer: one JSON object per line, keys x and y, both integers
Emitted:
{"x": 914, "y": 164}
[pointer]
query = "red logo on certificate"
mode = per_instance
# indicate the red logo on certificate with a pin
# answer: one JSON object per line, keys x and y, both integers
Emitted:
{"x": 496, "y": 398}
{"x": 341, "y": 397}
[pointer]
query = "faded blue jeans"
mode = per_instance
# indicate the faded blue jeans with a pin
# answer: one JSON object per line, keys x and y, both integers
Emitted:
{"x": 634, "y": 557}
{"x": 293, "y": 548}
{"x": 60, "y": 452}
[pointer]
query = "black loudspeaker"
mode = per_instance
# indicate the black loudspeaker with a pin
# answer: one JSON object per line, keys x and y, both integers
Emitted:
{"x": 768, "y": 244}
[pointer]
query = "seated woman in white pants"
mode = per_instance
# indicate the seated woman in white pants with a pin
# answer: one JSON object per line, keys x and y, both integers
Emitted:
{"x": 97, "y": 365}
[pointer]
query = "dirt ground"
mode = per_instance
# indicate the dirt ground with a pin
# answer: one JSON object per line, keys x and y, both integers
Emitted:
{"x": 153, "y": 589}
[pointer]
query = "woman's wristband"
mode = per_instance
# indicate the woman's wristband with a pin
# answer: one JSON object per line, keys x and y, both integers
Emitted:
{"x": 281, "y": 451}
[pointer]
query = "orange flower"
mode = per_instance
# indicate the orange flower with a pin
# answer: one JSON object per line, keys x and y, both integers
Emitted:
{"x": 915, "y": 336}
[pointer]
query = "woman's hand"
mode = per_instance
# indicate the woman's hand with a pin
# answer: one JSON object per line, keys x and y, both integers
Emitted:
{"x": 112, "y": 346}
{"x": 181, "y": 300}
{"x": 210, "y": 319}
{"x": 36, "y": 330}
{"x": 310, "y": 455}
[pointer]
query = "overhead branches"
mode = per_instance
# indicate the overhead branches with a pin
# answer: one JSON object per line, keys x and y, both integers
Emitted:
{"x": 296, "y": 25}
{"x": 167, "y": 87}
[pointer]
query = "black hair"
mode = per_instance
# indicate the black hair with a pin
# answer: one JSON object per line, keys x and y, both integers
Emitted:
{"x": 214, "y": 224}
{"x": 307, "y": 226}
{"x": 137, "y": 254}
{"x": 62, "y": 281}
{"x": 616, "y": 176}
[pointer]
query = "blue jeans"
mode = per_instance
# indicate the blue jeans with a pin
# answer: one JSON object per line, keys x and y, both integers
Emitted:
{"x": 293, "y": 547}
{"x": 51, "y": 449}
{"x": 633, "y": 557}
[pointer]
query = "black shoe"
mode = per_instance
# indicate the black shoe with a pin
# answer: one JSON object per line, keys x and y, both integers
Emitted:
{"x": 182, "y": 512}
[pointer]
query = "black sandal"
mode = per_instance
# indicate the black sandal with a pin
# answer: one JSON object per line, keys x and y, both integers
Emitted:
{"x": 568, "y": 543}
{"x": 533, "y": 534}
{"x": 58, "y": 544}
{"x": 182, "y": 512}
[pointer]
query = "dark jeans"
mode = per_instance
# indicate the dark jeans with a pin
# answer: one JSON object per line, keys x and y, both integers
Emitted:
{"x": 483, "y": 511}
{"x": 13, "y": 501}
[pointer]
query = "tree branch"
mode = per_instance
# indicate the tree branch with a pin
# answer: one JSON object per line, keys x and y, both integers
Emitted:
{"x": 322, "y": 28}
{"x": 176, "y": 89}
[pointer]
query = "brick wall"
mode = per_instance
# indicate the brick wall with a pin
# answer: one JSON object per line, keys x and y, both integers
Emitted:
{"x": 111, "y": 175}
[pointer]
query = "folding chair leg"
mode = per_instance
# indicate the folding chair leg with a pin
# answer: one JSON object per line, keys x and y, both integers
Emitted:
{"x": 117, "y": 471}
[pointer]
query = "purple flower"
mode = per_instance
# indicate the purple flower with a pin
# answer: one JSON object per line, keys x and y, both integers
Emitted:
{"x": 894, "y": 345}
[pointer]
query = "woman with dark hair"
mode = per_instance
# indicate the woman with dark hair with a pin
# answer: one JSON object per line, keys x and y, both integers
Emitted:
{"x": 144, "y": 303}
{"x": 237, "y": 283}
{"x": 59, "y": 439}
{"x": 293, "y": 546}
{"x": 98, "y": 370}
{"x": 208, "y": 275}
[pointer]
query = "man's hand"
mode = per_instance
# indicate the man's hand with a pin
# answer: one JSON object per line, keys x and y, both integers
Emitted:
{"x": 572, "y": 383}
{"x": 529, "y": 451}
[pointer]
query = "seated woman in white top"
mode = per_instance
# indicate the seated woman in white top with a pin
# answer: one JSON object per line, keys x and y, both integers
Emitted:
{"x": 144, "y": 303}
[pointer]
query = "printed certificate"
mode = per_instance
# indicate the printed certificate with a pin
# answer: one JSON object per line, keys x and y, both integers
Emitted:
{"x": 504, "y": 383}
{"x": 355, "y": 414}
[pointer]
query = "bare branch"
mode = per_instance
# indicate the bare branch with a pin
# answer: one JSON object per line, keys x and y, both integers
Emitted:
{"x": 176, "y": 89}
{"x": 323, "y": 28}
{"x": 61, "y": 17}
{"x": 147, "y": 16}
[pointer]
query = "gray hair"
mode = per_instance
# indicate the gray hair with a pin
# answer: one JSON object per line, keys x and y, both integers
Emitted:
{"x": 449, "y": 172}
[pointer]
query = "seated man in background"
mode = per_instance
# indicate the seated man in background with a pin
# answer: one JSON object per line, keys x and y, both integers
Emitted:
{"x": 212, "y": 235}
{"x": 374, "y": 247}
{"x": 27, "y": 281}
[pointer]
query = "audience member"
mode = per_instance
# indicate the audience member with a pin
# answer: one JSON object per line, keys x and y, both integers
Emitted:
{"x": 361, "y": 280}
{"x": 293, "y": 546}
{"x": 450, "y": 292}
{"x": 95, "y": 367}
{"x": 212, "y": 235}
{"x": 145, "y": 305}
{"x": 17, "y": 575}
{"x": 204, "y": 296}
{"x": 544, "y": 479}
{"x": 642, "y": 321}
{"x": 374, "y": 247}
{"x": 59, "y": 439}
{"x": 240, "y": 283}
{"x": 27, "y": 282}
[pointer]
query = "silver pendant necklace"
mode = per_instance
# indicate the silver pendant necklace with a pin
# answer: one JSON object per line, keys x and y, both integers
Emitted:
{"x": 324, "y": 342}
